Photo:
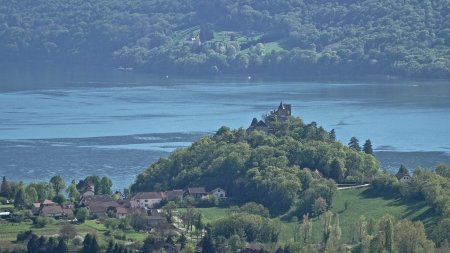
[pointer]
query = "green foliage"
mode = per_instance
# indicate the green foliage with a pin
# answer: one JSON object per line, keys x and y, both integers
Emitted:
{"x": 367, "y": 147}
{"x": 407, "y": 38}
{"x": 250, "y": 208}
{"x": 255, "y": 166}
{"x": 354, "y": 144}
{"x": 253, "y": 227}
{"x": 90, "y": 244}
{"x": 24, "y": 236}
{"x": 19, "y": 198}
{"x": 41, "y": 244}
{"x": 57, "y": 183}
{"x": 41, "y": 221}
{"x": 60, "y": 199}
{"x": 72, "y": 191}
{"x": 82, "y": 214}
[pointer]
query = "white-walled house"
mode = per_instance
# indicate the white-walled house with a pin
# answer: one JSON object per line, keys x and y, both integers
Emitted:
{"x": 219, "y": 193}
{"x": 403, "y": 177}
{"x": 146, "y": 199}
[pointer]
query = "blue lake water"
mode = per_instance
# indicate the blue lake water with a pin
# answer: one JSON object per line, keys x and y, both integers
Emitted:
{"x": 118, "y": 123}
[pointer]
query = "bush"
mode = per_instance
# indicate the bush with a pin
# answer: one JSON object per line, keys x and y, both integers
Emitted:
{"x": 82, "y": 214}
{"x": 18, "y": 217}
{"x": 3, "y": 201}
{"x": 77, "y": 240}
{"x": 24, "y": 236}
{"x": 119, "y": 235}
{"x": 41, "y": 221}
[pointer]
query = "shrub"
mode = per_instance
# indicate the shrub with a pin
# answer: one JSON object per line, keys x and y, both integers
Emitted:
{"x": 18, "y": 217}
{"x": 41, "y": 221}
{"x": 77, "y": 240}
{"x": 3, "y": 201}
{"x": 24, "y": 236}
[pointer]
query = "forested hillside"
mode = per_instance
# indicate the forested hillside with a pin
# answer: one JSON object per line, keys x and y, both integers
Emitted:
{"x": 269, "y": 168}
{"x": 283, "y": 37}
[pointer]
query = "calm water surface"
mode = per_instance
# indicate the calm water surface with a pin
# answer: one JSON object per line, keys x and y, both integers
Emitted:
{"x": 116, "y": 124}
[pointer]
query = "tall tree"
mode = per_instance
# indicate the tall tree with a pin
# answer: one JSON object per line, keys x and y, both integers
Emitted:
{"x": 5, "y": 188}
{"x": 72, "y": 191}
{"x": 389, "y": 233}
{"x": 327, "y": 226}
{"x": 62, "y": 247}
{"x": 337, "y": 170}
{"x": 33, "y": 244}
{"x": 105, "y": 186}
{"x": 402, "y": 170}
{"x": 57, "y": 184}
{"x": 207, "y": 242}
{"x": 367, "y": 147}
{"x": 19, "y": 198}
{"x": 332, "y": 135}
{"x": 335, "y": 236}
{"x": 306, "y": 229}
{"x": 354, "y": 144}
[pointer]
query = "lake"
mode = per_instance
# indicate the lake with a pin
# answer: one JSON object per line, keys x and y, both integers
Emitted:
{"x": 116, "y": 123}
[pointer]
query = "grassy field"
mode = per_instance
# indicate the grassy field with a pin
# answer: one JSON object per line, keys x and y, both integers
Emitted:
{"x": 360, "y": 202}
{"x": 9, "y": 231}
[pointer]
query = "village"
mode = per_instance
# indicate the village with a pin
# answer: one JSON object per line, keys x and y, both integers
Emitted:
{"x": 102, "y": 206}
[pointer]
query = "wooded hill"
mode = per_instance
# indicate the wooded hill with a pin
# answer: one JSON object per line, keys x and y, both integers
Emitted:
{"x": 265, "y": 167}
{"x": 277, "y": 37}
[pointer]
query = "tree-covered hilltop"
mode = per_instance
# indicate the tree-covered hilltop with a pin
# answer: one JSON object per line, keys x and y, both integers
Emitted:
{"x": 288, "y": 37}
{"x": 268, "y": 167}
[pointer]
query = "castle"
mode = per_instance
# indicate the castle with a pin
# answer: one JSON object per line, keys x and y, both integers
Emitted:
{"x": 283, "y": 112}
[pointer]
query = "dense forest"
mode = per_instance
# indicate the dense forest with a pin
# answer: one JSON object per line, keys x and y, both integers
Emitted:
{"x": 274, "y": 168}
{"x": 279, "y": 37}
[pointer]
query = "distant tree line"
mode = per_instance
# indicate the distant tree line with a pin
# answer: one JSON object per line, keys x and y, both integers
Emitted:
{"x": 332, "y": 37}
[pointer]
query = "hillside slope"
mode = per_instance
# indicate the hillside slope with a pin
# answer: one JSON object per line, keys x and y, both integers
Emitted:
{"x": 283, "y": 37}
{"x": 272, "y": 167}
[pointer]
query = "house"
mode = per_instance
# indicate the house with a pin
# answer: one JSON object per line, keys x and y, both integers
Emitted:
{"x": 95, "y": 198}
{"x": 253, "y": 248}
{"x": 174, "y": 194}
{"x": 52, "y": 211}
{"x": 67, "y": 211}
{"x": 36, "y": 208}
{"x": 219, "y": 193}
{"x": 196, "y": 192}
{"x": 146, "y": 199}
{"x": 98, "y": 204}
{"x": 99, "y": 209}
{"x": 155, "y": 219}
{"x": 318, "y": 173}
{"x": 48, "y": 202}
{"x": 120, "y": 212}
{"x": 403, "y": 177}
